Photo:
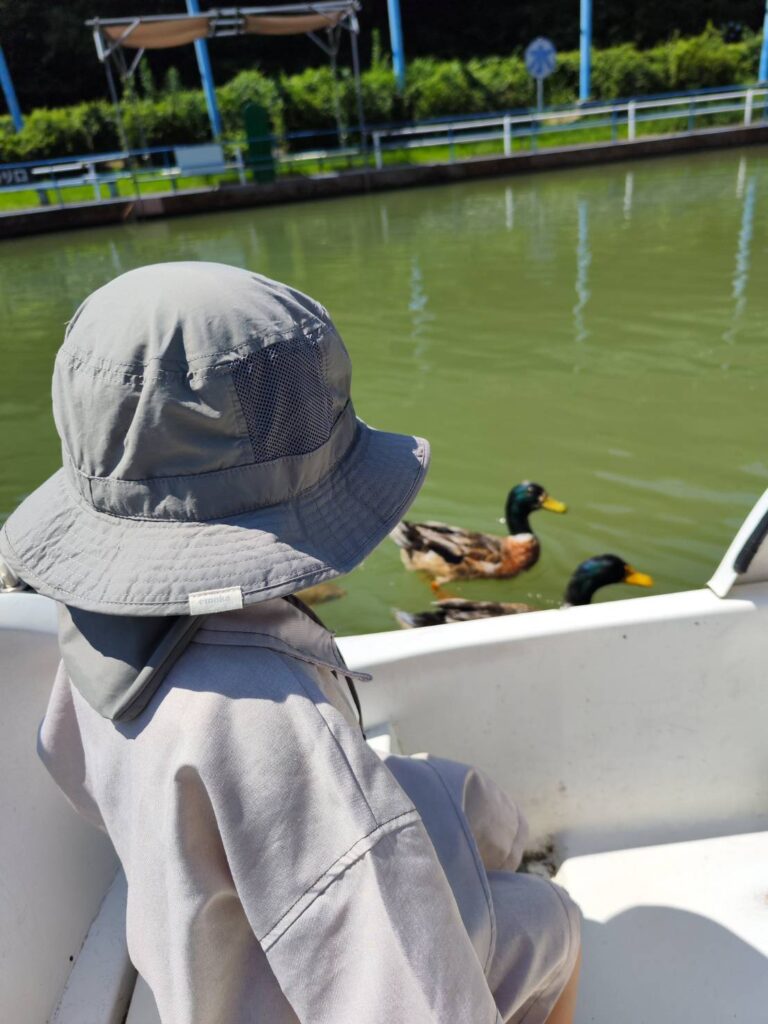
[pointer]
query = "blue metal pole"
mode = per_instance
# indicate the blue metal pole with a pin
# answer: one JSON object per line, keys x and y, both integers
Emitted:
{"x": 204, "y": 63}
{"x": 10, "y": 94}
{"x": 762, "y": 74}
{"x": 396, "y": 41}
{"x": 585, "y": 38}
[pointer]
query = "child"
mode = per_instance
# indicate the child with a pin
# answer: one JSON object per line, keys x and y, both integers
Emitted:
{"x": 277, "y": 870}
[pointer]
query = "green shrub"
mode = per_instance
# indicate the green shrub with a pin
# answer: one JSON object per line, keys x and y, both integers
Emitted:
{"x": 86, "y": 128}
{"x": 310, "y": 98}
{"x": 434, "y": 88}
{"x": 696, "y": 63}
{"x": 250, "y": 87}
{"x": 623, "y": 71}
{"x": 380, "y": 99}
{"x": 173, "y": 120}
{"x": 503, "y": 81}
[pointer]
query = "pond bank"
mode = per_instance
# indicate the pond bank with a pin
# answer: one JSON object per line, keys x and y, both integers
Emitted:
{"x": 334, "y": 185}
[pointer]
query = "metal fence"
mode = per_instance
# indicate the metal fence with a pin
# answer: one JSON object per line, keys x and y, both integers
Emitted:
{"x": 106, "y": 176}
{"x": 620, "y": 118}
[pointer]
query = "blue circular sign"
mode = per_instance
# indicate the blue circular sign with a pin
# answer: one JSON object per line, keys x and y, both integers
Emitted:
{"x": 540, "y": 58}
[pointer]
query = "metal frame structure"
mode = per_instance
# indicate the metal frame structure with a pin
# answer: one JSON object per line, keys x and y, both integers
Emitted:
{"x": 762, "y": 74}
{"x": 585, "y": 50}
{"x": 6, "y": 82}
{"x": 396, "y": 40}
{"x": 231, "y": 21}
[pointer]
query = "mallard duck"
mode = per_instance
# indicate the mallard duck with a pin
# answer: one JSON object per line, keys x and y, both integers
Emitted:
{"x": 452, "y": 553}
{"x": 588, "y": 577}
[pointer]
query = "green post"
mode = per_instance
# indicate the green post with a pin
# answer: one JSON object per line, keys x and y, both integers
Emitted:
{"x": 258, "y": 131}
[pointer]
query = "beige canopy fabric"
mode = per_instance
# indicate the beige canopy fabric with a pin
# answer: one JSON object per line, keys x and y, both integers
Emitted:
{"x": 157, "y": 35}
{"x": 291, "y": 25}
{"x": 160, "y": 35}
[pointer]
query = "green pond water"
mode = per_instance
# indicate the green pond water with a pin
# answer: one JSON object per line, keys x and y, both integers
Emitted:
{"x": 601, "y": 331}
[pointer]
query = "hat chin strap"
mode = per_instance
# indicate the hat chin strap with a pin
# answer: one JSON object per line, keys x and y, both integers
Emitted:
{"x": 9, "y": 581}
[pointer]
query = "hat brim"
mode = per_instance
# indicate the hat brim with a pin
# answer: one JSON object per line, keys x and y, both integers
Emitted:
{"x": 68, "y": 551}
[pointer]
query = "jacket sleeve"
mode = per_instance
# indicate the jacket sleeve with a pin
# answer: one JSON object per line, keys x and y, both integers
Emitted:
{"x": 330, "y": 860}
{"x": 383, "y": 942}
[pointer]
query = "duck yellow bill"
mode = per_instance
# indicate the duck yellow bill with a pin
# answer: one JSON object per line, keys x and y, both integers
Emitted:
{"x": 639, "y": 579}
{"x": 551, "y": 505}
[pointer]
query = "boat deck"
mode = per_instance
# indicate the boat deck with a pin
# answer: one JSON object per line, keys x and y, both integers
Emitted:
{"x": 674, "y": 933}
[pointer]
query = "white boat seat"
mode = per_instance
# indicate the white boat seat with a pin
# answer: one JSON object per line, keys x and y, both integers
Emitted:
{"x": 674, "y": 933}
{"x": 671, "y": 933}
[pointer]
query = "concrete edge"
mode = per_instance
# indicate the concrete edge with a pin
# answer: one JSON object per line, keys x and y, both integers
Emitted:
{"x": 345, "y": 183}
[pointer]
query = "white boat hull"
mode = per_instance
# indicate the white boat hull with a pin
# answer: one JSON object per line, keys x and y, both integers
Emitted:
{"x": 615, "y": 726}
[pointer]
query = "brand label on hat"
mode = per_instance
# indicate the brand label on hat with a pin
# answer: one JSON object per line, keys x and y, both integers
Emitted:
{"x": 206, "y": 602}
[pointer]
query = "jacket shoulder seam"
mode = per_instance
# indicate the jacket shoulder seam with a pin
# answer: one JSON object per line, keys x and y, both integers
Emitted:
{"x": 323, "y": 883}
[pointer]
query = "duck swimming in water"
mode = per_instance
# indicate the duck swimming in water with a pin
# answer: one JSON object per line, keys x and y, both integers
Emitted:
{"x": 452, "y": 553}
{"x": 587, "y": 579}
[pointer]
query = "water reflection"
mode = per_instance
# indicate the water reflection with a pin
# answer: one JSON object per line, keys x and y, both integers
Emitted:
{"x": 629, "y": 189}
{"x": 115, "y": 257}
{"x": 509, "y": 208}
{"x": 743, "y": 252}
{"x": 741, "y": 177}
{"x": 583, "y": 261}
{"x": 384, "y": 220}
{"x": 420, "y": 315}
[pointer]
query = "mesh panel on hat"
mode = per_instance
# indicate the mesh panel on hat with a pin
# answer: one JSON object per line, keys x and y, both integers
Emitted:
{"x": 285, "y": 399}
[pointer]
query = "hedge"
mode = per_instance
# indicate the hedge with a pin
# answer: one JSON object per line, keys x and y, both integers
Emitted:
{"x": 308, "y": 101}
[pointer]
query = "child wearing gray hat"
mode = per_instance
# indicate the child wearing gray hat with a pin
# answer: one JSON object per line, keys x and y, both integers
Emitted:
{"x": 278, "y": 870}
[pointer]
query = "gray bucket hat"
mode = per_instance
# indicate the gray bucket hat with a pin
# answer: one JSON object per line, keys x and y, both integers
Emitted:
{"x": 212, "y": 456}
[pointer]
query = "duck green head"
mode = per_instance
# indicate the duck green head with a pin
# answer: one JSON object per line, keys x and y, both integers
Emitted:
{"x": 527, "y": 497}
{"x": 599, "y": 572}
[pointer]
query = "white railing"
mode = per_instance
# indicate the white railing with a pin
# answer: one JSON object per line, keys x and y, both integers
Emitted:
{"x": 120, "y": 174}
{"x": 616, "y": 116}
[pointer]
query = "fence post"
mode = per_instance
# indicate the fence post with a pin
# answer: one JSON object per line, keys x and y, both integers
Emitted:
{"x": 92, "y": 178}
{"x": 240, "y": 164}
{"x": 507, "y": 136}
{"x": 631, "y": 120}
{"x": 377, "y": 159}
{"x": 748, "y": 107}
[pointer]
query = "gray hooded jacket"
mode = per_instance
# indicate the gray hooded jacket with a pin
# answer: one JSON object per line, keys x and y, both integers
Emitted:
{"x": 276, "y": 869}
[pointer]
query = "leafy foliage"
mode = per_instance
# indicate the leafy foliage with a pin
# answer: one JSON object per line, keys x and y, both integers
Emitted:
{"x": 250, "y": 87}
{"x": 53, "y": 60}
{"x": 313, "y": 99}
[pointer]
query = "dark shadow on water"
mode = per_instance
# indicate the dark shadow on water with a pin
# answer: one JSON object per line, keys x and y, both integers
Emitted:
{"x": 658, "y": 965}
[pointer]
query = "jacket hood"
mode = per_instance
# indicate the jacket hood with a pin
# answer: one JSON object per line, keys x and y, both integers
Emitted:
{"x": 117, "y": 662}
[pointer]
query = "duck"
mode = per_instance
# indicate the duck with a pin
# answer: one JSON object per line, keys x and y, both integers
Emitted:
{"x": 588, "y": 577}
{"x": 452, "y": 553}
